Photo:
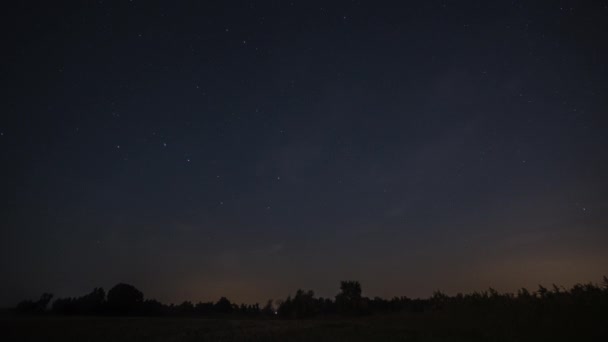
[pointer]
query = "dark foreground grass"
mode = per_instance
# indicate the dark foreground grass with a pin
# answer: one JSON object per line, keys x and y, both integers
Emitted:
{"x": 375, "y": 328}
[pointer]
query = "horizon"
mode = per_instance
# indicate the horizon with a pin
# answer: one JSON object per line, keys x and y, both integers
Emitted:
{"x": 532, "y": 290}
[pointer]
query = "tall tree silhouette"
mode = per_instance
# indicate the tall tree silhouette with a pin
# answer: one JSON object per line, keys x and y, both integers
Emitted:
{"x": 349, "y": 300}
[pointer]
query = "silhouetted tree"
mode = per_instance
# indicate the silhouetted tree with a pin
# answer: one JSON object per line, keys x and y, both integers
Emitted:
{"x": 92, "y": 303}
{"x": 125, "y": 299}
{"x": 439, "y": 300}
{"x": 325, "y": 306}
{"x": 350, "y": 290}
{"x": 268, "y": 309}
{"x": 35, "y": 307}
{"x": 349, "y": 300}
{"x": 304, "y": 304}
{"x": 223, "y": 306}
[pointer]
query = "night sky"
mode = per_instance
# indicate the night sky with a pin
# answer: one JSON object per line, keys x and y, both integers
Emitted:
{"x": 247, "y": 149}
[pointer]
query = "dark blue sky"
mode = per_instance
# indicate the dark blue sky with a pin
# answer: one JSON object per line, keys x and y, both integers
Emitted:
{"x": 250, "y": 148}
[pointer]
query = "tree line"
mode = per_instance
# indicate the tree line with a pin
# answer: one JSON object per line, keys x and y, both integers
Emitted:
{"x": 581, "y": 300}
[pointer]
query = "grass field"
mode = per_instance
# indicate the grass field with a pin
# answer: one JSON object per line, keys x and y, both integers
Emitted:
{"x": 375, "y": 328}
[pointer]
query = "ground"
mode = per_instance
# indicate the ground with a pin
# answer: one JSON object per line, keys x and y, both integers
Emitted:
{"x": 375, "y": 328}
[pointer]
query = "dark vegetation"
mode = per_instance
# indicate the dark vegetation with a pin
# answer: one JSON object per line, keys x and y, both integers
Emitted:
{"x": 578, "y": 313}
{"x": 126, "y": 300}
